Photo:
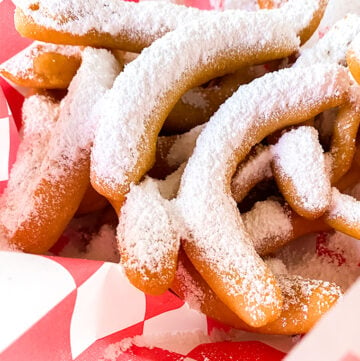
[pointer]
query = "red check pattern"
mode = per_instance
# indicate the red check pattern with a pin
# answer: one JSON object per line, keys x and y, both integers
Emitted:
{"x": 100, "y": 292}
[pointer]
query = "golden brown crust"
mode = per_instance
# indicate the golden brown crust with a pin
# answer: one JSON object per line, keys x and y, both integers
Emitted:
{"x": 298, "y": 316}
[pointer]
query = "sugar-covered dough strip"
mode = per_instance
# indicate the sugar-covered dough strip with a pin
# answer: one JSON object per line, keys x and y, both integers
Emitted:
{"x": 216, "y": 241}
{"x": 344, "y": 214}
{"x": 125, "y": 25}
{"x": 148, "y": 238}
{"x": 333, "y": 46}
{"x": 43, "y": 65}
{"x": 305, "y": 301}
{"x": 142, "y": 96}
{"x": 39, "y": 115}
{"x": 300, "y": 172}
{"x": 272, "y": 225}
{"x": 173, "y": 150}
{"x": 50, "y": 66}
{"x": 343, "y": 139}
{"x": 251, "y": 171}
{"x": 299, "y": 164}
{"x": 49, "y": 201}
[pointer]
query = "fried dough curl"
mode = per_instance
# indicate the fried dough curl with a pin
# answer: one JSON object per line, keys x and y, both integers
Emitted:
{"x": 120, "y": 24}
{"x": 59, "y": 169}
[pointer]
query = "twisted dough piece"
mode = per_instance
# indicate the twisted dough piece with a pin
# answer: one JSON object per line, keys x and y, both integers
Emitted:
{"x": 121, "y": 24}
{"x": 43, "y": 65}
{"x": 305, "y": 301}
{"x": 216, "y": 241}
{"x": 49, "y": 201}
{"x": 142, "y": 97}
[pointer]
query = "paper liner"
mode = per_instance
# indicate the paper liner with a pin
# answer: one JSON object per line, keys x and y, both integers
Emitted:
{"x": 54, "y": 308}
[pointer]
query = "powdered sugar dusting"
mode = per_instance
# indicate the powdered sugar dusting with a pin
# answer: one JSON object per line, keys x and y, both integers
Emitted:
{"x": 40, "y": 114}
{"x": 22, "y": 64}
{"x": 338, "y": 263}
{"x": 144, "y": 20}
{"x": 147, "y": 243}
{"x": 137, "y": 20}
{"x": 170, "y": 185}
{"x": 213, "y": 222}
{"x": 38, "y": 128}
{"x": 333, "y": 46}
{"x": 257, "y": 166}
{"x": 195, "y": 98}
{"x": 299, "y": 292}
{"x": 192, "y": 293}
{"x": 128, "y": 108}
{"x": 299, "y": 158}
{"x": 267, "y": 222}
{"x": 68, "y": 143}
{"x": 344, "y": 207}
{"x": 183, "y": 146}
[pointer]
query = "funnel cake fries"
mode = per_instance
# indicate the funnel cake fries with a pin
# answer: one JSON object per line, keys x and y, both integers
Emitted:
{"x": 37, "y": 218}
{"x": 42, "y": 65}
{"x": 49, "y": 66}
{"x": 305, "y": 301}
{"x": 126, "y": 25}
{"x": 142, "y": 97}
{"x": 220, "y": 256}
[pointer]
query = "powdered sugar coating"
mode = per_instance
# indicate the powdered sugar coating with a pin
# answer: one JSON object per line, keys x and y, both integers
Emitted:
{"x": 332, "y": 47}
{"x": 300, "y": 293}
{"x": 183, "y": 146}
{"x": 135, "y": 97}
{"x": 337, "y": 261}
{"x": 345, "y": 207}
{"x": 213, "y": 223}
{"x": 40, "y": 114}
{"x": 299, "y": 159}
{"x": 267, "y": 222}
{"x": 192, "y": 293}
{"x": 145, "y": 20}
{"x": 147, "y": 230}
{"x": 258, "y": 167}
{"x": 62, "y": 149}
{"x": 22, "y": 64}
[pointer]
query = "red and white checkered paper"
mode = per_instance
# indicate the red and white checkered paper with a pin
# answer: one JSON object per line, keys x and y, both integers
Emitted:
{"x": 54, "y": 308}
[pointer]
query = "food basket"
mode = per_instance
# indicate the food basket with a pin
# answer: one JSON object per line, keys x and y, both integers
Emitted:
{"x": 56, "y": 308}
